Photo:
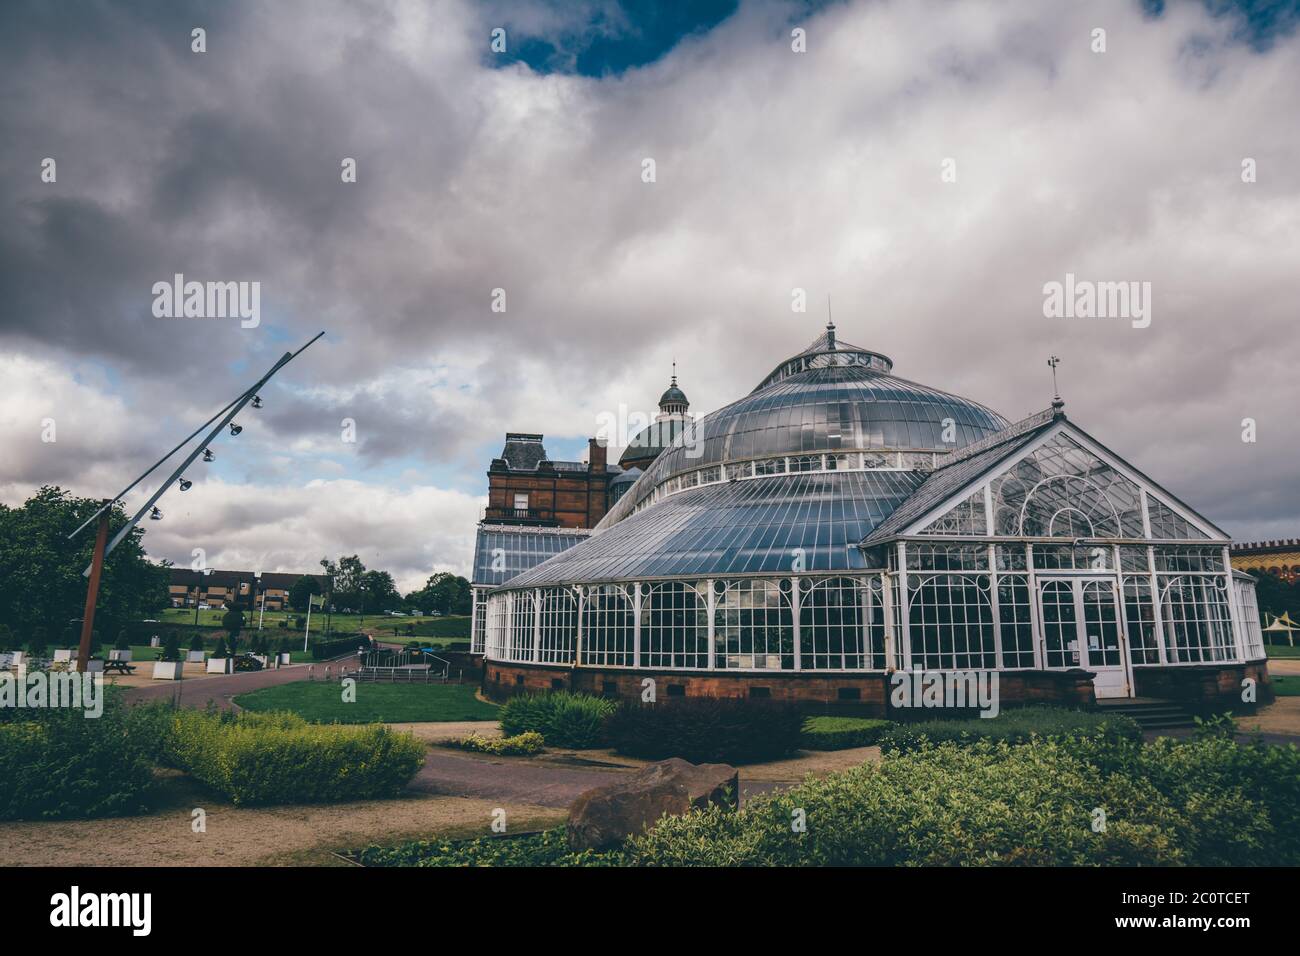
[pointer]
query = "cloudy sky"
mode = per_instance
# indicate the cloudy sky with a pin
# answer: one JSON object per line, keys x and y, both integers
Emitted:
{"x": 522, "y": 170}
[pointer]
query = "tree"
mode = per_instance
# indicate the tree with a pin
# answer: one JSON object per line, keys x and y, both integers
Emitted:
{"x": 302, "y": 591}
{"x": 233, "y": 622}
{"x": 41, "y": 586}
{"x": 445, "y": 593}
{"x": 378, "y": 592}
{"x": 347, "y": 577}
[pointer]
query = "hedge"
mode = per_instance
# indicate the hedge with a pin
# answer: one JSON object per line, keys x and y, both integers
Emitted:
{"x": 267, "y": 758}
{"x": 326, "y": 650}
{"x": 1200, "y": 803}
{"x": 1012, "y": 726}
{"x": 706, "y": 730}
{"x": 526, "y": 744}
{"x": 841, "y": 733}
{"x": 58, "y": 763}
{"x": 564, "y": 719}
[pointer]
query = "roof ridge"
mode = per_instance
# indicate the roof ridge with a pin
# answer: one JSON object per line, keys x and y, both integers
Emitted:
{"x": 1011, "y": 432}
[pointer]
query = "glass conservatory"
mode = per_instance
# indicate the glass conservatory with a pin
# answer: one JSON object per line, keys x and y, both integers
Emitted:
{"x": 839, "y": 524}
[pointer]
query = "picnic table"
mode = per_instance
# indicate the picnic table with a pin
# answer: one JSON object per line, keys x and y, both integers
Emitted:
{"x": 119, "y": 667}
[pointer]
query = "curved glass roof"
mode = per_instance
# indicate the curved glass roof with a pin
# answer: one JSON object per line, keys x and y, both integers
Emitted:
{"x": 832, "y": 397}
{"x": 741, "y": 527}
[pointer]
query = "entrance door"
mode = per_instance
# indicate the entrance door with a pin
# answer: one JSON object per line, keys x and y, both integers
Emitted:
{"x": 1081, "y": 629}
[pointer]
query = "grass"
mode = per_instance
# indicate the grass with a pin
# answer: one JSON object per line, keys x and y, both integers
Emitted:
{"x": 322, "y": 702}
{"x": 1286, "y": 686}
{"x": 1282, "y": 650}
{"x": 451, "y": 627}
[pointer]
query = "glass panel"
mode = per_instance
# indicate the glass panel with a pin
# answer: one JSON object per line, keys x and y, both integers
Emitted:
{"x": 950, "y": 622}
{"x": 1060, "y": 624}
{"x": 1061, "y": 490}
{"x": 1140, "y": 616}
{"x": 1016, "y": 624}
{"x": 1101, "y": 626}
{"x": 831, "y": 618}
{"x": 966, "y": 517}
{"x": 947, "y": 557}
{"x": 753, "y": 626}
{"x": 559, "y": 625}
{"x": 1166, "y": 523}
{"x": 674, "y": 626}
{"x": 1198, "y": 626}
{"x": 608, "y": 627}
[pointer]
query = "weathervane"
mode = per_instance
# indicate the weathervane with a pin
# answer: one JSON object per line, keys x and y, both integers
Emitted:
{"x": 1057, "y": 403}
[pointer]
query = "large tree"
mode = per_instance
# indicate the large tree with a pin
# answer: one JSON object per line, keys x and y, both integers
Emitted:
{"x": 445, "y": 593}
{"x": 378, "y": 592}
{"x": 347, "y": 576}
{"x": 302, "y": 591}
{"x": 41, "y": 585}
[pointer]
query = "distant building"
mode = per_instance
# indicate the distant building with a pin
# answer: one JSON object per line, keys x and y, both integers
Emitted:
{"x": 219, "y": 589}
{"x": 1279, "y": 558}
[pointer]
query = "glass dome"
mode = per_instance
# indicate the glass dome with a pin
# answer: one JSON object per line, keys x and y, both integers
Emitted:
{"x": 832, "y": 397}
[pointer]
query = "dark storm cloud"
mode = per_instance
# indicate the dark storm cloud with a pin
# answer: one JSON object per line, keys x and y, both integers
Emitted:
{"x": 775, "y": 171}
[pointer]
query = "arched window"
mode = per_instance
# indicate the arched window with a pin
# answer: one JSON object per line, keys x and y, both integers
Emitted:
{"x": 674, "y": 626}
{"x": 841, "y": 625}
{"x": 608, "y": 626}
{"x": 1198, "y": 625}
{"x": 950, "y": 622}
{"x": 521, "y": 626}
{"x": 497, "y": 635}
{"x": 559, "y": 625}
{"x": 753, "y": 625}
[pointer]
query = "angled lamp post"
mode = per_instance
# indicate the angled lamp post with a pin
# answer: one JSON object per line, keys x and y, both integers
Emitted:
{"x": 104, "y": 548}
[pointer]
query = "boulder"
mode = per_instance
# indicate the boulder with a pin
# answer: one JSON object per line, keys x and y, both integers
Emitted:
{"x": 608, "y": 815}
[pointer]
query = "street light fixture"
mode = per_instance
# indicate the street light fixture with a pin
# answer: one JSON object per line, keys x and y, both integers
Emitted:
{"x": 185, "y": 483}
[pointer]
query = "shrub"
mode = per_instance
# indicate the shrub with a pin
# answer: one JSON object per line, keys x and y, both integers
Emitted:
{"x": 123, "y": 642}
{"x": 706, "y": 730}
{"x": 196, "y": 642}
{"x": 220, "y": 652}
{"x": 526, "y": 744}
{"x": 1012, "y": 726}
{"x": 171, "y": 650}
{"x": 548, "y": 848}
{"x": 1172, "y": 802}
{"x": 841, "y": 733}
{"x": 266, "y": 758}
{"x": 58, "y": 763}
{"x": 562, "y": 718}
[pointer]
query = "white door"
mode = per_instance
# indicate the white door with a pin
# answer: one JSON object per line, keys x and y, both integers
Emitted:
{"x": 1081, "y": 629}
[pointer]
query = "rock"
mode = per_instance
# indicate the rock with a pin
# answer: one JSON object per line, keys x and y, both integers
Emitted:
{"x": 607, "y": 815}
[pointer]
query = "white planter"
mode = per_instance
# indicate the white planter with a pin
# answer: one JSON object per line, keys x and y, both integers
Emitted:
{"x": 261, "y": 657}
{"x": 194, "y": 657}
{"x": 285, "y": 657}
{"x": 64, "y": 655}
{"x": 116, "y": 655}
{"x": 218, "y": 665}
{"x": 17, "y": 658}
{"x": 94, "y": 667}
{"x": 168, "y": 670}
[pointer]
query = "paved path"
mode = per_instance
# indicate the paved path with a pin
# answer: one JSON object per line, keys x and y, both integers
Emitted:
{"x": 220, "y": 689}
{"x": 520, "y": 782}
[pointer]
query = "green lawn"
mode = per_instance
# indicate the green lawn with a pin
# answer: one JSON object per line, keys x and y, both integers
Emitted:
{"x": 143, "y": 652}
{"x": 1286, "y": 686}
{"x": 1282, "y": 650}
{"x": 322, "y": 702}
{"x": 452, "y": 627}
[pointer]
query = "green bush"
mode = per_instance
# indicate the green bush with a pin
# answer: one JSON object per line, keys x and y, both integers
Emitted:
{"x": 1012, "y": 726}
{"x": 548, "y": 848}
{"x": 526, "y": 744}
{"x": 841, "y": 733}
{"x": 1169, "y": 803}
{"x": 564, "y": 719}
{"x": 58, "y": 763}
{"x": 196, "y": 641}
{"x": 265, "y": 758}
{"x": 706, "y": 730}
{"x": 171, "y": 649}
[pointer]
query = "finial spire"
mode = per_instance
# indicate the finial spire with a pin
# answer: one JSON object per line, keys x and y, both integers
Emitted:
{"x": 674, "y": 372}
{"x": 1057, "y": 404}
{"x": 830, "y": 324}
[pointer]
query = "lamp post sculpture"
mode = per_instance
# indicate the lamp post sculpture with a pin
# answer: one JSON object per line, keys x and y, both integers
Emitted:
{"x": 102, "y": 549}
